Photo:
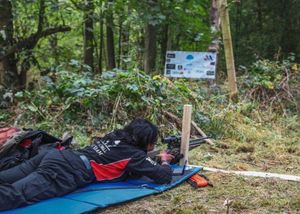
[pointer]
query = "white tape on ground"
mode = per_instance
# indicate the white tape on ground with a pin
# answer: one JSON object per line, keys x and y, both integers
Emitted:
{"x": 252, "y": 173}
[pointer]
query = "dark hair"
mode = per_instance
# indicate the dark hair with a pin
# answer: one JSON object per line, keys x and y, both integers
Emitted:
{"x": 139, "y": 132}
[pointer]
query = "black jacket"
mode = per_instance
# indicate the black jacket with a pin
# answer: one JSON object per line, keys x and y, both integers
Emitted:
{"x": 116, "y": 161}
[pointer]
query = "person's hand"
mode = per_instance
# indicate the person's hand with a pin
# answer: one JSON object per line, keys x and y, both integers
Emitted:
{"x": 165, "y": 157}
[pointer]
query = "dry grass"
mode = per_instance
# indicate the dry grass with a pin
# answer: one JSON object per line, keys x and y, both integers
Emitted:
{"x": 258, "y": 141}
{"x": 256, "y": 145}
{"x": 248, "y": 195}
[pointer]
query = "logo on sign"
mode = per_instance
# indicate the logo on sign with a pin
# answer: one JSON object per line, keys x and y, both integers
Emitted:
{"x": 210, "y": 73}
{"x": 189, "y": 57}
{"x": 171, "y": 55}
{"x": 208, "y": 58}
{"x": 171, "y": 66}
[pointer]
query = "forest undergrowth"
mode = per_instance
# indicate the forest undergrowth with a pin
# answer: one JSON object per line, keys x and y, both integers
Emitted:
{"x": 258, "y": 132}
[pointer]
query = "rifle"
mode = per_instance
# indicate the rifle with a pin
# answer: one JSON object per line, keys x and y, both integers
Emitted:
{"x": 173, "y": 147}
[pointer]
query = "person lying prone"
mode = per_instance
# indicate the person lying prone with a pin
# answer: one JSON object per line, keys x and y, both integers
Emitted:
{"x": 114, "y": 157}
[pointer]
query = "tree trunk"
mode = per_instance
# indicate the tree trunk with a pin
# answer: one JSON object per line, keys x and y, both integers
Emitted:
{"x": 53, "y": 39}
{"x": 177, "y": 41}
{"x": 110, "y": 45}
{"x": 169, "y": 40}
{"x": 288, "y": 45}
{"x": 225, "y": 24}
{"x": 88, "y": 58}
{"x": 125, "y": 46}
{"x": 140, "y": 43}
{"x": 8, "y": 68}
{"x": 150, "y": 40}
{"x": 215, "y": 25}
{"x": 166, "y": 44}
{"x": 119, "y": 61}
{"x": 166, "y": 38}
{"x": 163, "y": 45}
{"x": 238, "y": 29}
{"x": 101, "y": 44}
{"x": 150, "y": 48}
{"x": 125, "y": 40}
{"x": 259, "y": 14}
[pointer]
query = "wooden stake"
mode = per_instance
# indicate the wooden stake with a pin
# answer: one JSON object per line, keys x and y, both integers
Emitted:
{"x": 225, "y": 25}
{"x": 186, "y": 132}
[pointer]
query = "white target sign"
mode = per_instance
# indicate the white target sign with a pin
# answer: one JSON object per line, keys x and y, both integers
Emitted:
{"x": 198, "y": 65}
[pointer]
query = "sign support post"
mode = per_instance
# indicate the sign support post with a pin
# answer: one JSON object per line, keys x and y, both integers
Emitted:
{"x": 226, "y": 32}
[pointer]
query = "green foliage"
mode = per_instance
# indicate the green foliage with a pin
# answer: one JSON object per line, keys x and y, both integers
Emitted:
{"x": 268, "y": 74}
{"x": 109, "y": 100}
{"x": 264, "y": 29}
{"x": 4, "y": 116}
{"x": 274, "y": 84}
{"x": 120, "y": 95}
{"x": 71, "y": 94}
{"x": 188, "y": 22}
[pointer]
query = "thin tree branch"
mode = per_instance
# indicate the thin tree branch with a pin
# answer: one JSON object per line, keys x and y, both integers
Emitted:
{"x": 41, "y": 16}
{"x": 194, "y": 125}
{"x": 31, "y": 41}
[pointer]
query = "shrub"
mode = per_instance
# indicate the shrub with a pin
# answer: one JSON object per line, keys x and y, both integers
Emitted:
{"x": 272, "y": 83}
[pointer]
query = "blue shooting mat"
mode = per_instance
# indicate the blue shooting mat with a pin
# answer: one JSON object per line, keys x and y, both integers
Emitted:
{"x": 101, "y": 195}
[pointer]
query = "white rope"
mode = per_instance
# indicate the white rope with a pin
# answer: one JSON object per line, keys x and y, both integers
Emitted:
{"x": 252, "y": 173}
